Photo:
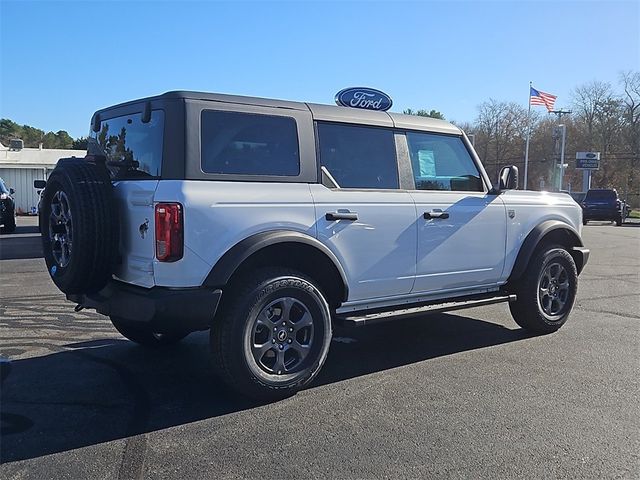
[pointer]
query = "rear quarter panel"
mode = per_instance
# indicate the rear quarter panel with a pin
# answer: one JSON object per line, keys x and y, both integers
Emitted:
{"x": 219, "y": 214}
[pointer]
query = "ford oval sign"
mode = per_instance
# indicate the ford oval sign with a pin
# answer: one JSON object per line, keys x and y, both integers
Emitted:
{"x": 363, "y": 97}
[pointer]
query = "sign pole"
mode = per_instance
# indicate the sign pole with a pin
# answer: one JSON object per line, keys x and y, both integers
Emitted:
{"x": 564, "y": 136}
{"x": 526, "y": 148}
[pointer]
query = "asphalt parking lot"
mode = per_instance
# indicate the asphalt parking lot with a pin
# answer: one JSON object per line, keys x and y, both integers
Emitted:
{"x": 464, "y": 395}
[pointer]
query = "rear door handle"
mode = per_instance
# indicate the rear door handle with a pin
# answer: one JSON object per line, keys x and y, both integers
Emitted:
{"x": 331, "y": 216}
{"x": 435, "y": 214}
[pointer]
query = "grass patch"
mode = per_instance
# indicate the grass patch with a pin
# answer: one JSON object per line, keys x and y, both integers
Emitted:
{"x": 634, "y": 214}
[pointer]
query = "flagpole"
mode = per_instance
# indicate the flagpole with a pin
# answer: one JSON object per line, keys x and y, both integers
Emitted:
{"x": 526, "y": 148}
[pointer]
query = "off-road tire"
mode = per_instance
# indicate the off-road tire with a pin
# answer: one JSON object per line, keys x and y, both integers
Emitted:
{"x": 527, "y": 310}
{"x": 93, "y": 224}
{"x": 619, "y": 221}
{"x": 233, "y": 327}
{"x": 145, "y": 336}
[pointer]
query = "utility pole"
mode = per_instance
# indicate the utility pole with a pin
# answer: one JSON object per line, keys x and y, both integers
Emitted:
{"x": 560, "y": 113}
{"x": 564, "y": 136}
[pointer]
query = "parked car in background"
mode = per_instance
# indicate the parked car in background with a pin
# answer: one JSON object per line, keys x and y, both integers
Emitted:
{"x": 39, "y": 185}
{"x": 604, "y": 204}
{"x": 7, "y": 208}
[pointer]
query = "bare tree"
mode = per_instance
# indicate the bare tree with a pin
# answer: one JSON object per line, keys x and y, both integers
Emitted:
{"x": 630, "y": 100}
{"x": 500, "y": 131}
{"x": 588, "y": 100}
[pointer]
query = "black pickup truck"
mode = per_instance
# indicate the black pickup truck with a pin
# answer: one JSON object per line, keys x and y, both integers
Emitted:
{"x": 604, "y": 204}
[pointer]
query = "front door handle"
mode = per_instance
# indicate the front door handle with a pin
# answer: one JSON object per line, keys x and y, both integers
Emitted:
{"x": 435, "y": 214}
{"x": 331, "y": 216}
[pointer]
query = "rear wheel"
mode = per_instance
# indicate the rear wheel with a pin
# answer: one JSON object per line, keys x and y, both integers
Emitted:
{"x": 272, "y": 334}
{"x": 546, "y": 292}
{"x": 619, "y": 221}
{"x": 143, "y": 335}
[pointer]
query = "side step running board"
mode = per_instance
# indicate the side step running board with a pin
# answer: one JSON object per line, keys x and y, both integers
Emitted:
{"x": 362, "y": 319}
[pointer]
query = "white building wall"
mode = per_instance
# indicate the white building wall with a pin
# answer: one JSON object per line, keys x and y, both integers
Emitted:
{"x": 19, "y": 168}
{"x": 21, "y": 180}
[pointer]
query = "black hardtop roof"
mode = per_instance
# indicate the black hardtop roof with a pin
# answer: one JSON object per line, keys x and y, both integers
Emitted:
{"x": 319, "y": 111}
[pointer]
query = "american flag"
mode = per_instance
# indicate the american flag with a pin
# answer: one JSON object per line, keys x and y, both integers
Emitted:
{"x": 538, "y": 97}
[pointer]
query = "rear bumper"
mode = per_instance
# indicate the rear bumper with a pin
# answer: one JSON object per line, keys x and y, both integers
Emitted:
{"x": 600, "y": 214}
{"x": 161, "y": 309}
{"x": 580, "y": 256}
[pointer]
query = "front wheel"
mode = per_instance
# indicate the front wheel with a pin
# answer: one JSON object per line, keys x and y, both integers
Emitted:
{"x": 272, "y": 334}
{"x": 143, "y": 335}
{"x": 546, "y": 292}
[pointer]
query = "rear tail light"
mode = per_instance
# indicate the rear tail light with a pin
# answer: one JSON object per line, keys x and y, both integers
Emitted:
{"x": 169, "y": 232}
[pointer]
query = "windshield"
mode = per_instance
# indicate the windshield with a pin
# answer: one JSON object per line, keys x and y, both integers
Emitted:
{"x": 3, "y": 187}
{"x": 133, "y": 149}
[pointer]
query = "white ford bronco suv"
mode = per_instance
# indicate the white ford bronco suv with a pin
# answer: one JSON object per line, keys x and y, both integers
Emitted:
{"x": 266, "y": 221}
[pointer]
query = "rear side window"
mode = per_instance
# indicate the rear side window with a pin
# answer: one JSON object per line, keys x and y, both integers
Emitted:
{"x": 359, "y": 157}
{"x": 442, "y": 162}
{"x": 249, "y": 144}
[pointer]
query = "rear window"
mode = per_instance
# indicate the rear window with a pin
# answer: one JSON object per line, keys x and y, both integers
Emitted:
{"x": 133, "y": 148}
{"x": 600, "y": 194}
{"x": 249, "y": 144}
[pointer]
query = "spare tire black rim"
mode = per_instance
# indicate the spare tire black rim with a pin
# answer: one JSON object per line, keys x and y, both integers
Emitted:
{"x": 60, "y": 229}
{"x": 282, "y": 336}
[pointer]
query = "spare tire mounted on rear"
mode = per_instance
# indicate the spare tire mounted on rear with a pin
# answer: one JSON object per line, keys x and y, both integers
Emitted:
{"x": 79, "y": 225}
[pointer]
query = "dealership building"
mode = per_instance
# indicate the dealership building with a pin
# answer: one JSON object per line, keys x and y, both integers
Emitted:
{"x": 19, "y": 167}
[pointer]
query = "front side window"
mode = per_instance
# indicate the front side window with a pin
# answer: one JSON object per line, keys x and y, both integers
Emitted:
{"x": 359, "y": 157}
{"x": 442, "y": 162}
{"x": 249, "y": 144}
{"x": 133, "y": 148}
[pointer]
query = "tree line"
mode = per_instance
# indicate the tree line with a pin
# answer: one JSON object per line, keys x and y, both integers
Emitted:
{"x": 33, "y": 137}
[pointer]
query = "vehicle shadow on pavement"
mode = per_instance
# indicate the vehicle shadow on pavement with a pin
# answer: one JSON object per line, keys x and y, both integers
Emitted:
{"x": 93, "y": 392}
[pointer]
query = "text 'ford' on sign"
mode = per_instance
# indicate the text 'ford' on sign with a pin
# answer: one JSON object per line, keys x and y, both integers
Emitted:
{"x": 363, "y": 97}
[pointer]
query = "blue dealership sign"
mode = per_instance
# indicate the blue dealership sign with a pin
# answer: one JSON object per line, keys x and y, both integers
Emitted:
{"x": 364, "y": 97}
{"x": 587, "y": 160}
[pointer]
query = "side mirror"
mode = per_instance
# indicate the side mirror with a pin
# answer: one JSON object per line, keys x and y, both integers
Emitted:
{"x": 508, "y": 179}
{"x": 12, "y": 191}
{"x": 39, "y": 184}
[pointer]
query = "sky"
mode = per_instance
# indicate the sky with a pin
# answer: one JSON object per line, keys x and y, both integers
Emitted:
{"x": 61, "y": 61}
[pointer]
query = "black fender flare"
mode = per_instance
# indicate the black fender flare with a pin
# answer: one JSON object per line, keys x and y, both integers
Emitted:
{"x": 535, "y": 237}
{"x": 236, "y": 255}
